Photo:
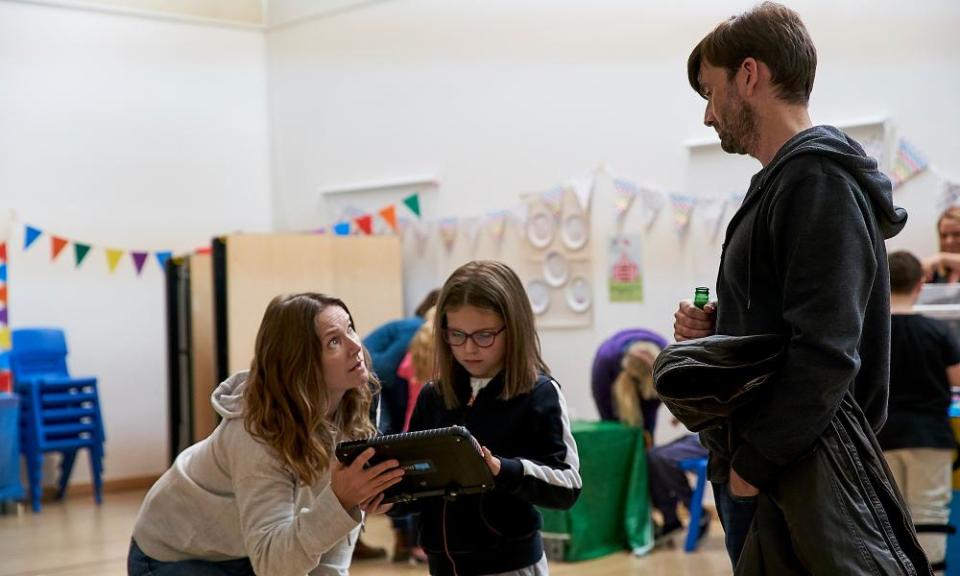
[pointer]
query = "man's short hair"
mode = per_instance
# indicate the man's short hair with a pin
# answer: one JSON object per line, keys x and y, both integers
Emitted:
{"x": 770, "y": 33}
{"x": 905, "y": 272}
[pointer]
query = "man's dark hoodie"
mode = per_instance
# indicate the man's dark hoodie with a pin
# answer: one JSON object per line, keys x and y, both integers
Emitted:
{"x": 804, "y": 257}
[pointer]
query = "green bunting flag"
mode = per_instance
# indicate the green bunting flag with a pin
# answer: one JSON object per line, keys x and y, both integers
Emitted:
{"x": 80, "y": 252}
{"x": 413, "y": 203}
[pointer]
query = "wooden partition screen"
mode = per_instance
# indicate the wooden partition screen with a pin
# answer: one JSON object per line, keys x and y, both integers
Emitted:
{"x": 366, "y": 272}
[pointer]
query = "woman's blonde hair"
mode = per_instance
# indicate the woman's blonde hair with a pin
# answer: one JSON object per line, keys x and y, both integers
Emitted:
{"x": 634, "y": 382}
{"x": 422, "y": 349}
{"x": 492, "y": 286}
{"x": 286, "y": 395}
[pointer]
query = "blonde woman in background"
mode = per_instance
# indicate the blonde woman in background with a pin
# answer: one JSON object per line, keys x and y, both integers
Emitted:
{"x": 633, "y": 401}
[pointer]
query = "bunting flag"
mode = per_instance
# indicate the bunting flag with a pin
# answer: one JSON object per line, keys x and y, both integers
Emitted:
{"x": 3, "y": 295}
{"x": 3, "y": 316}
{"x": 682, "y": 209}
{"x": 31, "y": 235}
{"x": 3, "y": 271}
{"x": 624, "y": 193}
{"x": 471, "y": 231}
{"x": 712, "y": 210}
{"x": 907, "y": 163}
{"x": 138, "y": 259}
{"x": 421, "y": 234}
{"x": 949, "y": 196}
{"x": 413, "y": 203}
{"x": 650, "y": 206}
{"x": 365, "y": 223}
{"x": 113, "y": 258}
{"x": 162, "y": 258}
{"x": 341, "y": 228}
{"x": 4, "y": 319}
{"x": 497, "y": 226}
{"x": 3, "y": 251}
{"x": 553, "y": 199}
{"x": 80, "y": 252}
{"x": 5, "y": 343}
{"x": 389, "y": 214}
{"x": 57, "y": 244}
{"x": 582, "y": 189}
{"x": 448, "y": 232}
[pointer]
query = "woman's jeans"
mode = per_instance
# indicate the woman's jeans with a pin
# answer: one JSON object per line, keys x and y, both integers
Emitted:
{"x": 139, "y": 564}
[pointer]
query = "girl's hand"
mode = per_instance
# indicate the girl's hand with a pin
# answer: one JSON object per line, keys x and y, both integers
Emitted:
{"x": 375, "y": 505}
{"x": 493, "y": 463}
{"x": 355, "y": 484}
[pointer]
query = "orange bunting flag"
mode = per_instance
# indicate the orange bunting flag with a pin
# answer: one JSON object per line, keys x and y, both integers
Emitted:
{"x": 365, "y": 223}
{"x": 113, "y": 258}
{"x": 57, "y": 244}
{"x": 3, "y": 294}
{"x": 390, "y": 215}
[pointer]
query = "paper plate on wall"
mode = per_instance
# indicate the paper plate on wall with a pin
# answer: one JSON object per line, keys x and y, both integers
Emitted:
{"x": 540, "y": 227}
{"x": 575, "y": 231}
{"x": 556, "y": 269}
{"x": 539, "y": 294}
{"x": 579, "y": 294}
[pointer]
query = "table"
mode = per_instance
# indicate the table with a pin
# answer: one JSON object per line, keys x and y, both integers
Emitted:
{"x": 613, "y": 511}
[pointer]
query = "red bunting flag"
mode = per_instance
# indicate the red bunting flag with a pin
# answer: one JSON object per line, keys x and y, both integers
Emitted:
{"x": 365, "y": 223}
{"x": 3, "y": 250}
{"x": 57, "y": 244}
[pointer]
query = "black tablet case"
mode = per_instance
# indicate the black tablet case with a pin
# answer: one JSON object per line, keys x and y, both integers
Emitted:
{"x": 440, "y": 462}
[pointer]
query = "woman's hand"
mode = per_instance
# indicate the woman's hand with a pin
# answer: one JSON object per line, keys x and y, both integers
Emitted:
{"x": 493, "y": 463}
{"x": 356, "y": 484}
{"x": 375, "y": 505}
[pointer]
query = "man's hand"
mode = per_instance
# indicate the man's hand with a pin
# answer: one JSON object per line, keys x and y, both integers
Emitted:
{"x": 946, "y": 262}
{"x": 690, "y": 322}
{"x": 740, "y": 487}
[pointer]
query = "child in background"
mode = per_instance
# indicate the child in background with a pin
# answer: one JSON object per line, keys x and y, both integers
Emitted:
{"x": 264, "y": 493}
{"x": 492, "y": 380}
{"x": 917, "y": 439}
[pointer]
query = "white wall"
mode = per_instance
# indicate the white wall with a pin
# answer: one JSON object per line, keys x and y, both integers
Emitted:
{"x": 499, "y": 97}
{"x": 128, "y": 133}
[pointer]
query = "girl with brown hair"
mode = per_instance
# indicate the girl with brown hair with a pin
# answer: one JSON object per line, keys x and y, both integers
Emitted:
{"x": 264, "y": 493}
{"x": 490, "y": 378}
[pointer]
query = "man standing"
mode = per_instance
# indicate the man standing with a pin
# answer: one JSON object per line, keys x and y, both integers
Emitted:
{"x": 798, "y": 477}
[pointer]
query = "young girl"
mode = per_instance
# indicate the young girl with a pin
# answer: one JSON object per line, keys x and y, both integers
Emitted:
{"x": 265, "y": 493}
{"x": 491, "y": 379}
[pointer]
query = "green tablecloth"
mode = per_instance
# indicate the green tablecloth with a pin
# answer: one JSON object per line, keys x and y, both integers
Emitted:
{"x": 613, "y": 512}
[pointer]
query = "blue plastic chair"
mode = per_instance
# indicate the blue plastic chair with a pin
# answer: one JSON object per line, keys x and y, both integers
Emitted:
{"x": 699, "y": 467}
{"x": 58, "y": 413}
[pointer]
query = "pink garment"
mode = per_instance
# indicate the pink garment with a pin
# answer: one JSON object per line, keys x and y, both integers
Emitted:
{"x": 414, "y": 385}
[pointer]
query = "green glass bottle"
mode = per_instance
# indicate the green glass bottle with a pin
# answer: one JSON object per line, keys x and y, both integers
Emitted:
{"x": 701, "y": 297}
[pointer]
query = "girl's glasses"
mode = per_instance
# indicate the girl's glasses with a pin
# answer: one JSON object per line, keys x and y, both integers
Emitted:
{"x": 482, "y": 338}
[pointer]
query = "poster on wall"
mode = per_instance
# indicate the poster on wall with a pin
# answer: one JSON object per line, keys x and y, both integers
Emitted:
{"x": 625, "y": 273}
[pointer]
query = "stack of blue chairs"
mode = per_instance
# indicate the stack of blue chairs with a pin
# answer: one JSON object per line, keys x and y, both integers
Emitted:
{"x": 58, "y": 413}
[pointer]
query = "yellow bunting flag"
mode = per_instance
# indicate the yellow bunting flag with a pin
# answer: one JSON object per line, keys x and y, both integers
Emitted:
{"x": 113, "y": 258}
{"x": 390, "y": 215}
{"x": 5, "y": 338}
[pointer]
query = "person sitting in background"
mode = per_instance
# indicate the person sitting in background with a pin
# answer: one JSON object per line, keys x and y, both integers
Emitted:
{"x": 917, "y": 440}
{"x": 944, "y": 266}
{"x": 634, "y": 402}
{"x": 387, "y": 345}
{"x": 264, "y": 493}
{"x": 416, "y": 369}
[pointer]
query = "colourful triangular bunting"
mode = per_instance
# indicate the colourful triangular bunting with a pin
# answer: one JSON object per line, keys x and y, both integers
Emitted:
{"x": 31, "y": 236}
{"x": 80, "y": 252}
{"x": 113, "y": 258}
{"x": 341, "y": 228}
{"x": 57, "y": 244}
{"x": 413, "y": 203}
{"x": 3, "y": 251}
{"x": 5, "y": 338}
{"x": 390, "y": 215}
{"x": 3, "y": 295}
{"x": 3, "y": 316}
{"x": 138, "y": 259}
{"x": 3, "y": 272}
{"x": 365, "y": 223}
{"x": 162, "y": 258}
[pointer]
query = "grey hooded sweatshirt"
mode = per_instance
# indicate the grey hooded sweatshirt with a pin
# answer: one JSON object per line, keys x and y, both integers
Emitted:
{"x": 230, "y": 496}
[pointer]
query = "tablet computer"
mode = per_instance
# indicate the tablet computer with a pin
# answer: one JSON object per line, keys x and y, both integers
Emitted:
{"x": 440, "y": 462}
